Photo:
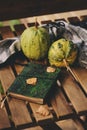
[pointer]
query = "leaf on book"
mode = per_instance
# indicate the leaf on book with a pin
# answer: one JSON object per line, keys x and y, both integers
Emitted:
{"x": 32, "y": 81}
{"x": 50, "y": 69}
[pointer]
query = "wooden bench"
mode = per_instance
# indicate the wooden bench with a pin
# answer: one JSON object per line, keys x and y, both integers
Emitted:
{"x": 69, "y": 101}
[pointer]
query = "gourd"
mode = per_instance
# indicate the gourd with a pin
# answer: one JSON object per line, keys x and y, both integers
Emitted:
{"x": 35, "y": 42}
{"x": 62, "y": 52}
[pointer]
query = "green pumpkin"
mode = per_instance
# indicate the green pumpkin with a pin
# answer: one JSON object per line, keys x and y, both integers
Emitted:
{"x": 35, "y": 42}
{"x": 61, "y": 50}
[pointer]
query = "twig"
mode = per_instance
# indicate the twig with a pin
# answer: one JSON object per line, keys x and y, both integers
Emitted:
{"x": 3, "y": 101}
{"x": 70, "y": 70}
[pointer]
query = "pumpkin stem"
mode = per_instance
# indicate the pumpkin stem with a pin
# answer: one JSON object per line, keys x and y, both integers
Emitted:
{"x": 70, "y": 70}
{"x": 36, "y": 24}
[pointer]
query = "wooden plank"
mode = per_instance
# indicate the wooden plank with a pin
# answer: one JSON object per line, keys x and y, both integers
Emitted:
{"x": 34, "y": 128}
{"x": 55, "y": 16}
{"x": 82, "y": 76}
{"x": 19, "y": 111}
{"x": 4, "y": 121}
{"x": 4, "y": 118}
{"x": 70, "y": 125}
{"x": 74, "y": 93}
{"x": 6, "y": 32}
{"x": 40, "y": 118}
{"x": 60, "y": 105}
{"x": 20, "y": 115}
{"x": 7, "y": 77}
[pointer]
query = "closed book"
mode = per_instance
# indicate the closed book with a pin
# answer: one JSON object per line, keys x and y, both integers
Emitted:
{"x": 37, "y": 92}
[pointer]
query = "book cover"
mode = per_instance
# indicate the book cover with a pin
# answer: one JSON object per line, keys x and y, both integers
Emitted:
{"x": 38, "y": 91}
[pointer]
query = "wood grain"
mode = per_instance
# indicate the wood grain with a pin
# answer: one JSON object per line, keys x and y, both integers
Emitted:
{"x": 70, "y": 125}
{"x": 4, "y": 119}
{"x": 76, "y": 96}
{"x": 82, "y": 75}
{"x": 60, "y": 105}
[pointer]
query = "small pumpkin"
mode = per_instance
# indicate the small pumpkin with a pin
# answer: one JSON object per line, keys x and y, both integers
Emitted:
{"x": 61, "y": 50}
{"x": 35, "y": 42}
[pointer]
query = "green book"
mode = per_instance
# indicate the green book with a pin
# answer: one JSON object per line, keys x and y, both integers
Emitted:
{"x": 38, "y": 91}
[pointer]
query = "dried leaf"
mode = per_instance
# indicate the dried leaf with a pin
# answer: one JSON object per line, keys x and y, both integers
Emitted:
{"x": 43, "y": 110}
{"x": 50, "y": 69}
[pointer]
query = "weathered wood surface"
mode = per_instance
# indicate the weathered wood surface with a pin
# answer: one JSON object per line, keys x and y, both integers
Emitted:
{"x": 82, "y": 75}
{"x": 66, "y": 105}
{"x": 74, "y": 93}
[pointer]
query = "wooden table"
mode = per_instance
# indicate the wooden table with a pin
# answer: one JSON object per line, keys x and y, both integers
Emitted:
{"x": 67, "y": 105}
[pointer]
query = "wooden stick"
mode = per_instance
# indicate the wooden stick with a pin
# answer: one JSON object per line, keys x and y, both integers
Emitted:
{"x": 3, "y": 100}
{"x": 70, "y": 70}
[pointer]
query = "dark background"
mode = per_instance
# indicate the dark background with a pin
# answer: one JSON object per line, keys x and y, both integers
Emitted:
{"x": 12, "y": 9}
